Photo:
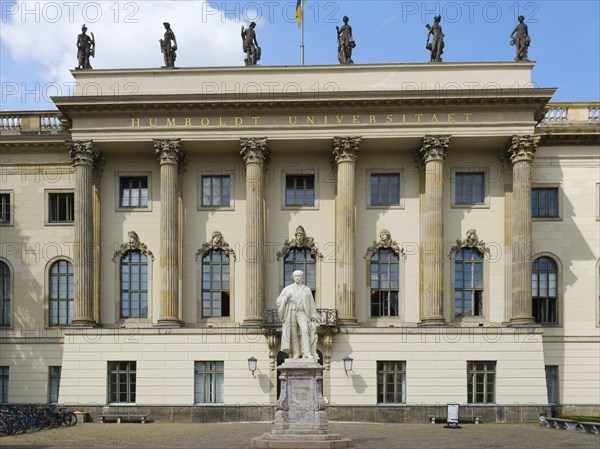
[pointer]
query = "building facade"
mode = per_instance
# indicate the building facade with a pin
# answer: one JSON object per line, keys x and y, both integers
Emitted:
{"x": 446, "y": 217}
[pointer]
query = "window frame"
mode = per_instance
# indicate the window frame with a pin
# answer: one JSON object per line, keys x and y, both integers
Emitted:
{"x": 11, "y": 207}
{"x": 401, "y": 188}
{"x": 49, "y": 207}
{"x": 379, "y": 263}
{"x": 483, "y": 288}
{"x": 471, "y": 170}
{"x": 472, "y": 370}
{"x": 119, "y": 176}
{"x": 556, "y": 376}
{"x": 300, "y": 173}
{"x": 557, "y": 298}
{"x": 116, "y": 371}
{"x": 222, "y": 175}
{"x": 4, "y": 384}
{"x": 50, "y": 299}
{"x": 54, "y": 380}
{"x": 381, "y": 386}
{"x": 221, "y": 290}
{"x": 6, "y": 301}
{"x": 138, "y": 291}
{"x": 217, "y": 369}
{"x": 559, "y": 201}
{"x": 301, "y": 265}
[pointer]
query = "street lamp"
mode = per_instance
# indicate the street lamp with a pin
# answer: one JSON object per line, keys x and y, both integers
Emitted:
{"x": 252, "y": 364}
{"x": 348, "y": 363}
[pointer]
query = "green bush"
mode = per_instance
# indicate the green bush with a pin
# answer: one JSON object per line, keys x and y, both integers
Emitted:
{"x": 582, "y": 418}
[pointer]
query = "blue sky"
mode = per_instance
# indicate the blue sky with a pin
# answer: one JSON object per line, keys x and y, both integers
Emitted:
{"x": 37, "y": 38}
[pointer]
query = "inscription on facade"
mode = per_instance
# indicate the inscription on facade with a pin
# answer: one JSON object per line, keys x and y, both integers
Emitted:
{"x": 301, "y": 120}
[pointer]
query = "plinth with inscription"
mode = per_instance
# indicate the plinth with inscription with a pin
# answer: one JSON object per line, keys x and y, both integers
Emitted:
{"x": 301, "y": 416}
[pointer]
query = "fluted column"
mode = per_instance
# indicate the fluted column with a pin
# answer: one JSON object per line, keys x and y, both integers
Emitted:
{"x": 345, "y": 152}
{"x": 255, "y": 153}
{"x": 84, "y": 157}
{"x": 521, "y": 154}
{"x": 170, "y": 156}
{"x": 431, "y": 155}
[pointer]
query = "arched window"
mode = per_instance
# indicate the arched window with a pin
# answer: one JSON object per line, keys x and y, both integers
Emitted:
{"x": 215, "y": 284}
{"x": 62, "y": 293}
{"x": 301, "y": 259}
{"x": 384, "y": 283}
{"x": 134, "y": 285}
{"x": 468, "y": 283}
{"x": 544, "y": 274}
{"x": 4, "y": 294}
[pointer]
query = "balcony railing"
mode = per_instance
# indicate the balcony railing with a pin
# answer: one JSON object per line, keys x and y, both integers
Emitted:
{"x": 32, "y": 123}
{"x": 565, "y": 114}
{"x": 325, "y": 318}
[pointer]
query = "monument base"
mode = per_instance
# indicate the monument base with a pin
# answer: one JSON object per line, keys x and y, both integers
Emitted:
{"x": 301, "y": 416}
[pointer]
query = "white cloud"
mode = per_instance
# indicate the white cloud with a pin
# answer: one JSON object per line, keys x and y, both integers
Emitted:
{"x": 126, "y": 32}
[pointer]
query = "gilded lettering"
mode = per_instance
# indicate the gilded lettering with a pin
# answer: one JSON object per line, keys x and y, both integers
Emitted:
{"x": 356, "y": 119}
{"x": 205, "y": 121}
{"x": 292, "y": 120}
{"x": 153, "y": 124}
{"x": 310, "y": 119}
{"x": 171, "y": 122}
{"x": 135, "y": 122}
{"x": 389, "y": 119}
{"x": 188, "y": 122}
{"x": 467, "y": 116}
{"x": 239, "y": 121}
{"x": 256, "y": 119}
{"x": 325, "y": 120}
{"x": 221, "y": 123}
{"x": 434, "y": 119}
{"x": 403, "y": 118}
{"x": 450, "y": 118}
{"x": 339, "y": 118}
{"x": 418, "y": 117}
{"x": 372, "y": 119}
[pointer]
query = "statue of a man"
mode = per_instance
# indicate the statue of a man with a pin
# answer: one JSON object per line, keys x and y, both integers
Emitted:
{"x": 168, "y": 46}
{"x": 298, "y": 313}
{"x": 345, "y": 42}
{"x": 436, "y": 47}
{"x": 250, "y": 45}
{"x": 521, "y": 40}
{"x": 86, "y": 48}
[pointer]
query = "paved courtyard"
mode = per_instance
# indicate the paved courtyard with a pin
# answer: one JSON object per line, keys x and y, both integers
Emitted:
{"x": 364, "y": 436}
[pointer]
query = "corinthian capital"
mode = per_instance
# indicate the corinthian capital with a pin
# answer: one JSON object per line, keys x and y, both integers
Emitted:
{"x": 433, "y": 148}
{"x": 83, "y": 152}
{"x": 346, "y": 149}
{"x": 254, "y": 150}
{"x": 523, "y": 148}
{"x": 169, "y": 151}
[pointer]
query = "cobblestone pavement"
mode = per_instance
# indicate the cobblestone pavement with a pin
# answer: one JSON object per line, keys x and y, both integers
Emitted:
{"x": 364, "y": 436}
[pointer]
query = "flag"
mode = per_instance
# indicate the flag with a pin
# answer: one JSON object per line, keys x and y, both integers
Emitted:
{"x": 299, "y": 6}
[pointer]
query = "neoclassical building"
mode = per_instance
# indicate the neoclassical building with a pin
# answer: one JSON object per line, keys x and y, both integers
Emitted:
{"x": 447, "y": 218}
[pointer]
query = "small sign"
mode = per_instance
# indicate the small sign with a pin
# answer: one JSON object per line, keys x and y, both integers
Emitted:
{"x": 452, "y": 418}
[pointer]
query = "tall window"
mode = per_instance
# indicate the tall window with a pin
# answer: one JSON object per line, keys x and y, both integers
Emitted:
{"x": 552, "y": 383}
{"x": 303, "y": 260}
{"x": 544, "y": 273}
{"x": 215, "y": 284}
{"x": 216, "y": 191}
{"x": 121, "y": 382}
{"x": 53, "y": 383}
{"x": 208, "y": 382}
{"x": 384, "y": 283}
{"x": 61, "y": 207}
{"x": 134, "y": 285}
{"x": 385, "y": 189}
{"x": 133, "y": 191}
{"x": 3, "y": 384}
{"x": 5, "y": 206}
{"x": 468, "y": 283}
{"x": 4, "y": 294}
{"x": 391, "y": 382}
{"x": 481, "y": 382}
{"x": 299, "y": 190}
{"x": 469, "y": 188}
{"x": 544, "y": 202}
{"x": 62, "y": 293}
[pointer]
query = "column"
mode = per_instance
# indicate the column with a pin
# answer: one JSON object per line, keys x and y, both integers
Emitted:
{"x": 84, "y": 157}
{"x": 255, "y": 153}
{"x": 521, "y": 154}
{"x": 96, "y": 208}
{"x": 171, "y": 158}
{"x": 345, "y": 152}
{"x": 431, "y": 155}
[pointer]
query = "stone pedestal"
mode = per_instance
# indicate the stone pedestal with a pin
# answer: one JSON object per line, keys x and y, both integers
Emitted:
{"x": 301, "y": 416}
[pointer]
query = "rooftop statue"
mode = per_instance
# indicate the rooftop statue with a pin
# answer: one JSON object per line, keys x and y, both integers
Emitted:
{"x": 345, "y": 42}
{"x": 250, "y": 45}
{"x": 521, "y": 40}
{"x": 168, "y": 46}
{"x": 436, "y": 47}
{"x": 86, "y": 48}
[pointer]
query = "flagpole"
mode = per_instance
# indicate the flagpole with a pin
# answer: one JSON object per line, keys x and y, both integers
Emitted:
{"x": 302, "y": 35}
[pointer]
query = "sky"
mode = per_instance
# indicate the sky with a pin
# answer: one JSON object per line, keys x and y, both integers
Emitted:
{"x": 38, "y": 38}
